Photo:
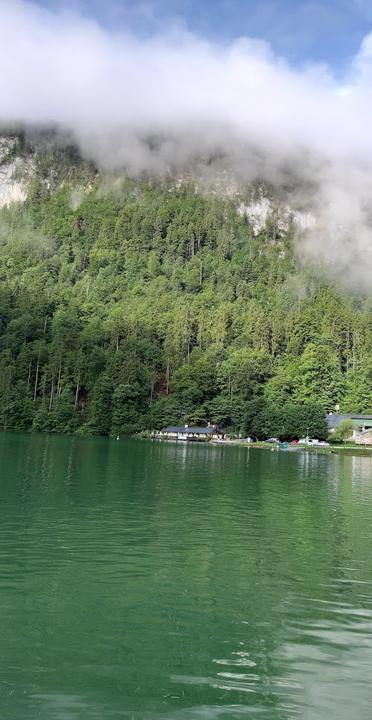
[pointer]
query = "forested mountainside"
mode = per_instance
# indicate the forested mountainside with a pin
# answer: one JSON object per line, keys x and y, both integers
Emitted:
{"x": 132, "y": 304}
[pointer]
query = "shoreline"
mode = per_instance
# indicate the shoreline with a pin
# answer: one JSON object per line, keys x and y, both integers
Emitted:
{"x": 363, "y": 450}
{"x": 356, "y": 450}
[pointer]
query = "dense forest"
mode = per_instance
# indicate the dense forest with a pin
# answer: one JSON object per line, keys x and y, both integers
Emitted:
{"x": 128, "y": 305}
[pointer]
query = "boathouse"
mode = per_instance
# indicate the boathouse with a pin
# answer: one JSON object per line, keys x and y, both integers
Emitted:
{"x": 191, "y": 433}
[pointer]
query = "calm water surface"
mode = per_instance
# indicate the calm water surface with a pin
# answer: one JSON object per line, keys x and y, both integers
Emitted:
{"x": 153, "y": 580}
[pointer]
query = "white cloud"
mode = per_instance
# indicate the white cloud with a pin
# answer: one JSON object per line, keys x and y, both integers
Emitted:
{"x": 114, "y": 91}
{"x": 65, "y": 68}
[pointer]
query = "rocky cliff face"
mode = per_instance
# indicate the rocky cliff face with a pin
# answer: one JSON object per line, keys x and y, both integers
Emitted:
{"x": 262, "y": 209}
{"x": 19, "y": 165}
{"x": 16, "y": 170}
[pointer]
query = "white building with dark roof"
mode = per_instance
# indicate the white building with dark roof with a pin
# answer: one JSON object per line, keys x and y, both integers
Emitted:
{"x": 191, "y": 433}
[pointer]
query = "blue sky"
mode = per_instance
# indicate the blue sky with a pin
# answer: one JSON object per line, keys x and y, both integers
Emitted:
{"x": 301, "y": 30}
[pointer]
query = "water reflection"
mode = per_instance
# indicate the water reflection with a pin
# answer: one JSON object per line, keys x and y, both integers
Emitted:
{"x": 153, "y": 580}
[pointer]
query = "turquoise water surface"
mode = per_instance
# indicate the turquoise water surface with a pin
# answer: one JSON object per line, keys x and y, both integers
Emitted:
{"x": 153, "y": 580}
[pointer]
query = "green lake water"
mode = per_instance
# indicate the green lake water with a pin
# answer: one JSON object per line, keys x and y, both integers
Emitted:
{"x": 145, "y": 580}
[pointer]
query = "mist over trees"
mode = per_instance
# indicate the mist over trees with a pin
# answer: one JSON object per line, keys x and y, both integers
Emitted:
{"x": 128, "y": 308}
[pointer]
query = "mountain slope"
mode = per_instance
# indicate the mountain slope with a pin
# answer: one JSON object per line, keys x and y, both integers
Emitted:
{"x": 129, "y": 304}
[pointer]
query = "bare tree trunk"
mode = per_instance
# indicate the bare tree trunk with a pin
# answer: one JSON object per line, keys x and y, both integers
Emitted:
{"x": 44, "y": 384}
{"x": 36, "y": 376}
{"x": 59, "y": 379}
{"x": 51, "y": 395}
{"x": 38, "y": 365}
{"x": 117, "y": 343}
{"x": 167, "y": 380}
{"x": 77, "y": 392}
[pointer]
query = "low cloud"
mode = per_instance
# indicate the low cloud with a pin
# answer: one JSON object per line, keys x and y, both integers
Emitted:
{"x": 166, "y": 102}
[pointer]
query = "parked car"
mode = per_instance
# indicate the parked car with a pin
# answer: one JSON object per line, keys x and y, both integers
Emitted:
{"x": 272, "y": 440}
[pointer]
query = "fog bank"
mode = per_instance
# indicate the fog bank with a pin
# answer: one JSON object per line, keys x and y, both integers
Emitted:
{"x": 163, "y": 103}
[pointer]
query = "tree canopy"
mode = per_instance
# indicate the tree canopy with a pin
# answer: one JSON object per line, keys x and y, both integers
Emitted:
{"x": 148, "y": 303}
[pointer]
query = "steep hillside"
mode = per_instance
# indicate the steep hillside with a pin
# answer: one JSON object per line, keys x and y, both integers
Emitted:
{"x": 128, "y": 304}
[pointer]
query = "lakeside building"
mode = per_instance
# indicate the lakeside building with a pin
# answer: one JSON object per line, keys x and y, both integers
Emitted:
{"x": 191, "y": 433}
{"x": 362, "y": 426}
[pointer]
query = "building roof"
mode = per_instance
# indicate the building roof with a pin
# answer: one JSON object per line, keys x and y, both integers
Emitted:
{"x": 184, "y": 429}
{"x": 334, "y": 419}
